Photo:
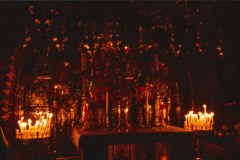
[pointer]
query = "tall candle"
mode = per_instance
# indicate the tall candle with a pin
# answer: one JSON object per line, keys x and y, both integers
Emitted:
{"x": 119, "y": 115}
{"x": 23, "y": 126}
{"x": 205, "y": 108}
{"x": 106, "y": 102}
{"x": 126, "y": 114}
{"x": 29, "y": 123}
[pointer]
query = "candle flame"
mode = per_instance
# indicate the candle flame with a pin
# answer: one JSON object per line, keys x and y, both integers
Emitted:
{"x": 41, "y": 128}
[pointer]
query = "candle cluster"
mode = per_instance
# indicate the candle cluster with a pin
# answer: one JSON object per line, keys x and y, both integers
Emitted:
{"x": 41, "y": 128}
{"x": 200, "y": 121}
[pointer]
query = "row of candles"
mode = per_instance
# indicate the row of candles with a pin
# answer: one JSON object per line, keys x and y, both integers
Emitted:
{"x": 200, "y": 121}
{"x": 41, "y": 128}
{"x": 147, "y": 114}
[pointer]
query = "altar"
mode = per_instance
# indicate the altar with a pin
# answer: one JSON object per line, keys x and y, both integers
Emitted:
{"x": 98, "y": 143}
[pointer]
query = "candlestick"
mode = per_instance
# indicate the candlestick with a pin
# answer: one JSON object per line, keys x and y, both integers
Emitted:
{"x": 119, "y": 115}
{"x": 168, "y": 110}
{"x": 146, "y": 98}
{"x": 126, "y": 115}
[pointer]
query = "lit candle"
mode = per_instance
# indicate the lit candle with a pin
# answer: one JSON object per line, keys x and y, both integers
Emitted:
{"x": 205, "y": 108}
{"x": 190, "y": 116}
{"x": 212, "y": 119}
{"x": 55, "y": 89}
{"x": 29, "y": 123}
{"x": 106, "y": 102}
{"x": 50, "y": 115}
{"x": 126, "y": 114}
{"x": 147, "y": 99}
{"x": 37, "y": 126}
{"x": 44, "y": 124}
{"x": 23, "y": 126}
{"x": 195, "y": 119}
{"x": 119, "y": 115}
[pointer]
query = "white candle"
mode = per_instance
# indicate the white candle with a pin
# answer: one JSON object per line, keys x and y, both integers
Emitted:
{"x": 29, "y": 123}
{"x": 205, "y": 108}
{"x": 119, "y": 114}
{"x": 23, "y": 126}
{"x": 212, "y": 119}
{"x": 37, "y": 126}
{"x": 126, "y": 114}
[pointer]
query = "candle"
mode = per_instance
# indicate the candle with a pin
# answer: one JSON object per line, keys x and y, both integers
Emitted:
{"x": 199, "y": 121}
{"x": 147, "y": 99}
{"x": 29, "y": 123}
{"x": 211, "y": 115}
{"x": 119, "y": 115}
{"x": 37, "y": 126}
{"x": 205, "y": 108}
{"x": 106, "y": 102}
{"x": 55, "y": 89}
{"x": 126, "y": 114}
{"x": 23, "y": 126}
{"x": 29, "y": 131}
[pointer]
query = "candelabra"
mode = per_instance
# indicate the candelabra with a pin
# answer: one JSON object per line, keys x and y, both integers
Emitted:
{"x": 41, "y": 129}
{"x": 202, "y": 125}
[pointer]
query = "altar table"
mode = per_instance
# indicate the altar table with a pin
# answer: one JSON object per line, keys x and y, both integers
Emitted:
{"x": 94, "y": 144}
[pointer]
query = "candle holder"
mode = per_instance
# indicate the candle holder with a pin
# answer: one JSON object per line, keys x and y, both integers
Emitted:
{"x": 198, "y": 141}
{"x": 41, "y": 129}
{"x": 101, "y": 117}
{"x": 107, "y": 121}
{"x": 148, "y": 115}
{"x": 160, "y": 113}
{"x": 126, "y": 117}
{"x": 119, "y": 116}
{"x": 201, "y": 125}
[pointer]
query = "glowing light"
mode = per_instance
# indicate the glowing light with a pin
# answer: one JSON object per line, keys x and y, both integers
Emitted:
{"x": 41, "y": 128}
{"x": 55, "y": 39}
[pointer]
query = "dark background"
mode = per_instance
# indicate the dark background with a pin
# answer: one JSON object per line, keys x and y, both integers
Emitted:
{"x": 215, "y": 79}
